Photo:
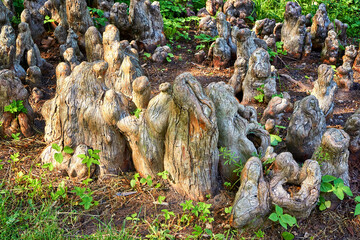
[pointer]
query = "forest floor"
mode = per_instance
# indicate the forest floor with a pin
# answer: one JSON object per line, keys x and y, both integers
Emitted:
{"x": 118, "y": 200}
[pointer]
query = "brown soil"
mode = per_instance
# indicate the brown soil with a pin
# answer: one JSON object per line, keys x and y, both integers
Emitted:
{"x": 338, "y": 223}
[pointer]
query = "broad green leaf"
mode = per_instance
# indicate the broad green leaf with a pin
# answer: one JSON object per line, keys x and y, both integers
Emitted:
{"x": 326, "y": 187}
{"x": 58, "y": 157}
{"x": 282, "y": 223}
{"x": 328, "y": 178}
{"x": 339, "y": 193}
{"x": 347, "y": 190}
{"x": 82, "y": 156}
{"x": 288, "y": 219}
{"x": 275, "y": 139}
{"x": 68, "y": 150}
{"x": 338, "y": 182}
{"x": 56, "y": 147}
{"x": 357, "y": 199}
{"x": 273, "y": 217}
{"x": 357, "y": 210}
{"x": 287, "y": 236}
{"x": 279, "y": 210}
{"x": 133, "y": 183}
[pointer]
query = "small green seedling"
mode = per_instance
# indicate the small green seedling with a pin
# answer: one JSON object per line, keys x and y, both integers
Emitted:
{"x": 261, "y": 95}
{"x": 285, "y": 220}
{"x": 15, "y": 107}
{"x": 137, "y": 112}
{"x": 357, "y": 207}
{"x": 15, "y": 136}
{"x": 275, "y": 139}
{"x": 90, "y": 159}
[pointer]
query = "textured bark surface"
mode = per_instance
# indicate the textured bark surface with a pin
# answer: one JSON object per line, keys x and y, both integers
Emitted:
{"x": 324, "y": 89}
{"x": 239, "y": 9}
{"x": 93, "y": 45}
{"x": 247, "y": 43}
{"x": 236, "y": 123}
{"x": 207, "y": 25}
{"x": 223, "y": 49}
{"x": 119, "y": 16}
{"x": 12, "y": 89}
{"x": 220, "y": 52}
{"x": 293, "y": 32}
{"x": 69, "y": 14}
{"x": 213, "y": 6}
{"x": 147, "y": 23}
{"x": 300, "y": 202}
{"x": 252, "y": 201}
{"x": 344, "y": 74}
{"x": 7, "y": 47}
{"x": 161, "y": 54}
{"x": 33, "y": 17}
{"x": 28, "y": 51}
{"x": 276, "y": 108}
{"x": 333, "y": 154}
{"x": 306, "y": 127}
{"x": 264, "y": 27}
{"x": 73, "y": 117}
{"x": 340, "y": 29}
{"x": 259, "y": 76}
{"x": 330, "y": 51}
{"x": 352, "y": 127}
{"x": 130, "y": 69}
{"x": 191, "y": 154}
{"x": 72, "y": 42}
{"x": 319, "y": 27}
{"x": 5, "y": 14}
{"x": 356, "y": 65}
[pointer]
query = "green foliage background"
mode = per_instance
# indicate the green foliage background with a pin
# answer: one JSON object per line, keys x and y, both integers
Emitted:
{"x": 347, "y": 11}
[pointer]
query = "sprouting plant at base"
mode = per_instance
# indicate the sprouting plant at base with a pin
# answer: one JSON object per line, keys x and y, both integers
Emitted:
{"x": 285, "y": 220}
{"x": 275, "y": 140}
{"x": 321, "y": 155}
{"x": 231, "y": 159}
{"x": 164, "y": 175}
{"x": 48, "y": 20}
{"x": 137, "y": 112}
{"x": 85, "y": 195}
{"x": 58, "y": 156}
{"x": 268, "y": 163}
{"x": 15, "y": 136}
{"x": 90, "y": 159}
{"x": 335, "y": 185}
{"x": 261, "y": 95}
{"x": 357, "y": 207}
{"x": 168, "y": 58}
{"x": 15, "y": 107}
{"x": 60, "y": 192}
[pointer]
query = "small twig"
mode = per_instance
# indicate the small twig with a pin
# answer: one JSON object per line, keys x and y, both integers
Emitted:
{"x": 304, "y": 87}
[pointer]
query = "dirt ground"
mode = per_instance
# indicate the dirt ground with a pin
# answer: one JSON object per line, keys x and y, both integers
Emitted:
{"x": 336, "y": 223}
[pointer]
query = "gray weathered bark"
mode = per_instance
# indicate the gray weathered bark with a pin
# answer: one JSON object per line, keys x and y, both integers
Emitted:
{"x": 344, "y": 74}
{"x": 306, "y": 127}
{"x": 259, "y": 76}
{"x": 252, "y": 201}
{"x": 293, "y": 32}
{"x": 333, "y": 154}
{"x": 330, "y": 51}
{"x": 319, "y": 27}
{"x": 324, "y": 89}
{"x": 298, "y": 202}
{"x": 236, "y": 123}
